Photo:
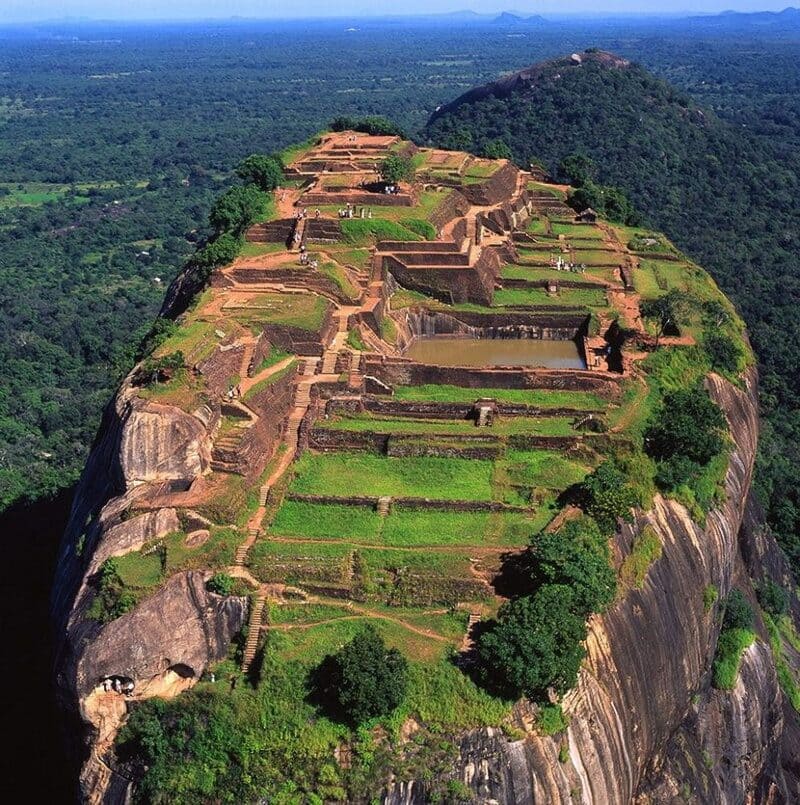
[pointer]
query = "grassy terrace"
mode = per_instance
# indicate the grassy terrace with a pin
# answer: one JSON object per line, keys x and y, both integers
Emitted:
{"x": 404, "y": 527}
{"x": 566, "y": 297}
{"x": 579, "y": 231}
{"x": 538, "y": 398}
{"x": 305, "y": 311}
{"x": 345, "y": 474}
{"x": 538, "y": 426}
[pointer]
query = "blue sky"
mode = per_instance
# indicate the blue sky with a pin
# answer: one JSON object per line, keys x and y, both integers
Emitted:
{"x": 28, "y": 10}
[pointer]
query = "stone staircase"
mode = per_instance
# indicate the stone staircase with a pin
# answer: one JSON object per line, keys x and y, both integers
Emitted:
{"x": 247, "y": 359}
{"x": 253, "y": 631}
{"x": 384, "y": 506}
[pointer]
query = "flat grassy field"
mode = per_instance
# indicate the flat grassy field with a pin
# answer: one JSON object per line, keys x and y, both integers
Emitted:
{"x": 541, "y": 398}
{"x": 345, "y": 474}
{"x": 539, "y": 426}
{"x": 569, "y": 297}
{"x": 305, "y": 311}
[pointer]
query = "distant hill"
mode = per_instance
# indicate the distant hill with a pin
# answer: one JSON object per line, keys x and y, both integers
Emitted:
{"x": 508, "y": 18}
{"x": 726, "y": 196}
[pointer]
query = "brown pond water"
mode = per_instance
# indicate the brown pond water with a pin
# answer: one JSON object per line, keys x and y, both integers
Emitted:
{"x": 445, "y": 351}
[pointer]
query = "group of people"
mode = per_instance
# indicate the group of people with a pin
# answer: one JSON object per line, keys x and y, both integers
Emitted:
{"x": 351, "y": 211}
{"x": 305, "y": 260}
{"x": 234, "y": 392}
{"x": 117, "y": 685}
{"x": 560, "y": 264}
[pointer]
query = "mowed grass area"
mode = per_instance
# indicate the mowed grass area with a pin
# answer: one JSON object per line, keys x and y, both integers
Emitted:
{"x": 404, "y": 526}
{"x": 538, "y": 426}
{"x": 150, "y": 566}
{"x": 537, "y": 398}
{"x": 304, "y": 311}
{"x": 580, "y": 231}
{"x": 542, "y": 469}
{"x": 344, "y": 474}
{"x": 571, "y": 297}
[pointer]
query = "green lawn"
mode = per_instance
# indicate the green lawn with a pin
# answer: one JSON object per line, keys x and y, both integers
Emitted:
{"x": 406, "y": 527}
{"x": 320, "y": 521}
{"x": 304, "y": 311}
{"x": 577, "y": 230}
{"x": 540, "y": 426}
{"x": 542, "y": 468}
{"x": 569, "y": 297}
{"x": 345, "y": 474}
{"x": 542, "y": 398}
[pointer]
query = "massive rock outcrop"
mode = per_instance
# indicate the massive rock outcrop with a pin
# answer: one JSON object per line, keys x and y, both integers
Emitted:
{"x": 167, "y": 641}
{"x": 645, "y": 725}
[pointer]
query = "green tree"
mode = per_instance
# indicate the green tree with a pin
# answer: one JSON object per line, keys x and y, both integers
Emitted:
{"x": 723, "y": 352}
{"x": 266, "y": 172}
{"x": 497, "y": 149}
{"x": 688, "y": 423}
{"x": 738, "y": 612}
{"x": 608, "y": 496}
{"x": 577, "y": 169}
{"x": 577, "y": 556}
{"x": 220, "y": 583}
{"x": 396, "y": 168}
{"x": 219, "y": 252}
{"x": 362, "y": 680}
{"x": 237, "y": 208}
{"x": 669, "y": 310}
{"x": 534, "y": 644}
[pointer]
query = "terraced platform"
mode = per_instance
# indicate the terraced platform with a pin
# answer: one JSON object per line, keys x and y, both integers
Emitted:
{"x": 357, "y": 483}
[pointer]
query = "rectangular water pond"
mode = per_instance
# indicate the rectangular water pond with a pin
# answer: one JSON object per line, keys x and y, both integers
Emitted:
{"x": 446, "y": 351}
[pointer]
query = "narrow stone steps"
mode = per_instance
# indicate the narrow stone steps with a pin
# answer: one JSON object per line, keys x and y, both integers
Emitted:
{"x": 253, "y": 631}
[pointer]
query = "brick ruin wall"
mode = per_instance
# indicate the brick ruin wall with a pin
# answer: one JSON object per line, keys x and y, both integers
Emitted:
{"x": 218, "y": 369}
{"x": 501, "y": 185}
{"x": 399, "y": 372}
{"x": 363, "y": 199}
{"x": 386, "y": 406}
{"x": 422, "y": 322}
{"x": 272, "y": 404}
{"x": 453, "y": 205}
{"x": 299, "y": 341}
{"x": 450, "y": 285}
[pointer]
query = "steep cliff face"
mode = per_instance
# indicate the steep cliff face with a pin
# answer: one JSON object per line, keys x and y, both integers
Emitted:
{"x": 644, "y": 723}
{"x": 166, "y": 642}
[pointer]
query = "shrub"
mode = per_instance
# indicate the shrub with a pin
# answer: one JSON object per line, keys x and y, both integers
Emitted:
{"x": 607, "y": 496}
{"x": 497, "y": 149}
{"x": 535, "y": 643}
{"x": 687, "y": 424}
{"x": 646, "y": 549}
{"x": 220, "y": 251}
{"x": 576, "y": 556}
{"x": 730, "y": 647}
{"x": 551, "y": 719}
{"x": 372, "y": 124}
{"x": 738, "y": 612}
{"x": 266, "y": 172}
{"x": 159, "y": 370}
{"x": 220, "y": 583}
{"x": 112, "y": 599}
{"x": 237, "y": 208}
{"x": 395, "y": 169}
{"x": 723, "y": 352}
{"x": 362, "y": 680}
{"x": 710, "y": 596}
{"x": 772, "y": 598}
